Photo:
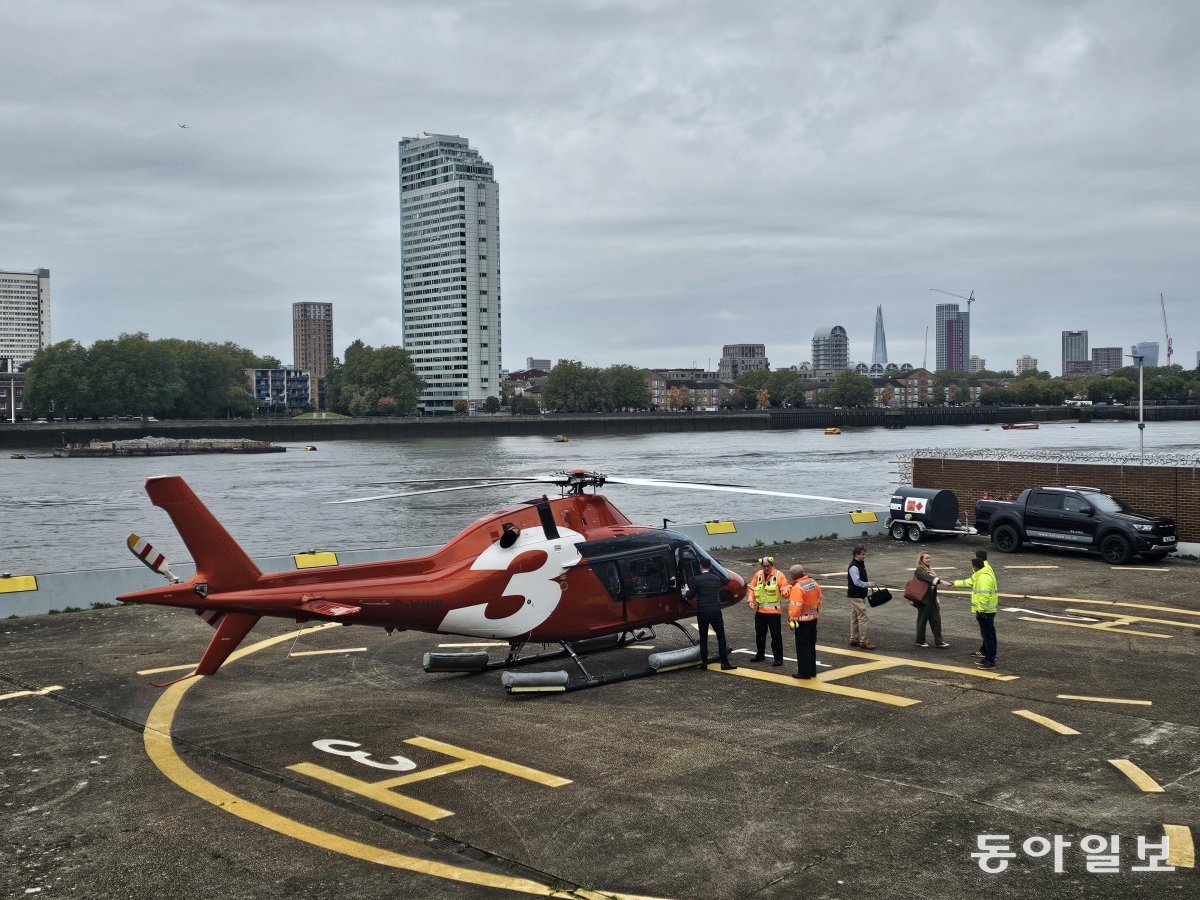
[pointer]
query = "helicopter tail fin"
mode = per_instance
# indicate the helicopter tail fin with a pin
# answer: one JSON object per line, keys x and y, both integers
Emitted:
{"x": 220, "y": 561}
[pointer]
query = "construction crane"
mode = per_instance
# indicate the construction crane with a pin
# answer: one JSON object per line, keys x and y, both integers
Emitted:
{"x": 969, "y": 300}
{"x": 1166, "y": 330}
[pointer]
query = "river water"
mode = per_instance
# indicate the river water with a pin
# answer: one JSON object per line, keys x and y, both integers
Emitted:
{"x": 69, "y": 514}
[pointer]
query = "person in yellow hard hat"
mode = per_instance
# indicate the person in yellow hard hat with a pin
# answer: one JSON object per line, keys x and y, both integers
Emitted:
{"x": 765, "y": 594}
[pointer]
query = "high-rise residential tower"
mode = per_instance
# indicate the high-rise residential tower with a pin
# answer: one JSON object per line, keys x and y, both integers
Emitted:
{"x": 1027, "y": 363}
{"x": 312, "y": 336}
{"x": 450, "y": 254}
{"x": 1106, "y": 360}
{"x": 1075, "y": 352}
{"x": 739, "y": 358}
{"x": 879, "y": 350}
{"x": 24, "y": 314}
{"x": 831, "y": 348}
{"x": 953, "y": 347}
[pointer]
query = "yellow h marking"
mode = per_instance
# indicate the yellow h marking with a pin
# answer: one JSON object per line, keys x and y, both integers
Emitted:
{"x": 383, "y": 791}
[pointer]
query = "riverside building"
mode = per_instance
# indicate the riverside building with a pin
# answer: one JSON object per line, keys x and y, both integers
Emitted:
{"x": 450, "y": 255}
{"x": 24, "y": 314}
{"x": 312, "y": 342}
{"x": 953, "y": 338}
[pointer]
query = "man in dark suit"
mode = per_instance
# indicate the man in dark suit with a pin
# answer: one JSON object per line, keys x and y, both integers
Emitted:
{"x": 705, "y": 588}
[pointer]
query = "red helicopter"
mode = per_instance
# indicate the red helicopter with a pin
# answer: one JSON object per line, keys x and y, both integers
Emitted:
{"x": 571, "y": 571}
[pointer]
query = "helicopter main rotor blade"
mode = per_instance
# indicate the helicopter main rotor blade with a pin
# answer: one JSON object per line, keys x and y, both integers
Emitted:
{"x": 481, "y": 479}
{"x": 735, "y": 489}
{"x": 442, "y": 490}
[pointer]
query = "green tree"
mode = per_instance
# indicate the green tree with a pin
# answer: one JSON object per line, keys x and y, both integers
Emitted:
{"x": 59, "y": 381}
{"x": 522, "y": 405}
{"x": 573, "y": 387}
{"x": 368, "y": 374}
{"x": 627, "y": 388}
{"x": 850, "y": 388}
{"x": 133, "y": 375}
{"x": 491, "y": 405}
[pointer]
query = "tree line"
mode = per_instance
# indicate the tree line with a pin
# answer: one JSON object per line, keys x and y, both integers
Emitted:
{"x": 134, "y": 375}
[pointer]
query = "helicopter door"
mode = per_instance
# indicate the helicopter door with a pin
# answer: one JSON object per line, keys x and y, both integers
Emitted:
{"x": 647, "y": 578}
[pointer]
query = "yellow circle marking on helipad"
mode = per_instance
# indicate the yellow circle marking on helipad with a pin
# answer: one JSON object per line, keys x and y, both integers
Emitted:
{"x": 161, "y": 749}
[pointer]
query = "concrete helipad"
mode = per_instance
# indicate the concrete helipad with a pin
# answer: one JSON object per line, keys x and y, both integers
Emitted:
{"x": 323, "y": 762}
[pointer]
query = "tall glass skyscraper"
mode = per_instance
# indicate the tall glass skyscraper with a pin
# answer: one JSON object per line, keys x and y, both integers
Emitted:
{"x": 879, "y": 350}
{"x": 953, "y": 348}
{"x": 1075, "y": 356}
{"x": 450, "y": 254}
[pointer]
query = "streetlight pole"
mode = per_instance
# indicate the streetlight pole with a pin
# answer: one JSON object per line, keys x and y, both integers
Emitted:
{"x": 1138, "y": 359}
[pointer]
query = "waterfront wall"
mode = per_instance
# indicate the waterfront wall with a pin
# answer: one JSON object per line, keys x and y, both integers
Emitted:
{"x": 22, "y": 595}
{"x": 44, "y": 437}
{"x": 1161, "y": 490}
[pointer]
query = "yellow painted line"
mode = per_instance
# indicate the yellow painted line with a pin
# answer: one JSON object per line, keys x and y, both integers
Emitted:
{"x": 323, "y": 652}
{"x": 1102, "y": 626}
{"x": 1135, "y": 774}
{"x": 812, "y": 684}
{"x": 426, "y": 774}
{"x": 1029, "y": 567}
{"x": 1182, "y": 853}
{"x": 166, "y": 669}
{"x": 1136, "y": 569}
{"x": 161, "y": 750}
{"x": 377, "y": 791}
{"x": 920, "y": 664}
{"x": 1042, "y": 720}
{"x": 39, "y": 693}
{"x": 1129, "y": 619}
{"x": 848, "y": 671}
{"x": 1105, "y": 700}
{"x": 478, "y": 644}
{"x": 491, "y": 762}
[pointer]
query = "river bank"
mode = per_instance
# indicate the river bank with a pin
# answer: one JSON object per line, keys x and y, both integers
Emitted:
{"x": 45, "y": 436}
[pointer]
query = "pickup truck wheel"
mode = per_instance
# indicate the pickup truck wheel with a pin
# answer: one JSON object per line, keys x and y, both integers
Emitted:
{"x": 1005, "y": 539}
{"x": 897, "y": 531}
{"x": 1116, "y": 550}
{"x": 914, "y": 534}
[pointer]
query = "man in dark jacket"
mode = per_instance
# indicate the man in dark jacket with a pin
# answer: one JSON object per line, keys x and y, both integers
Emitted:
{"x": 706, "y": 589}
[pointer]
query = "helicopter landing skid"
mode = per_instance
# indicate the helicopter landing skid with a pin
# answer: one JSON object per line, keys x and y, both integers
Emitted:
{"x": 561, "y": 682}
{"x": 479, "y": 662}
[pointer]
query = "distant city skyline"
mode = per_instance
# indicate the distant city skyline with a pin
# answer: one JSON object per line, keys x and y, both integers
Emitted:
{"x": 1030, "y": 152}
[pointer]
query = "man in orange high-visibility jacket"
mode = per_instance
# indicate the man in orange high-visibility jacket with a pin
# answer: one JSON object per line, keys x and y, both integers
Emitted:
{"x": 765, "y": 594}
{"x": 804, "y": 604}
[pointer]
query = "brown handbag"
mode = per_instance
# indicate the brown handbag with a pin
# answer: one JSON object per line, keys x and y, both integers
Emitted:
{"x": 915, "y": 591}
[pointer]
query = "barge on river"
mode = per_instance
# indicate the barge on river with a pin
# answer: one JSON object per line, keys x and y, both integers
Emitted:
{"x": 152, "y": 446}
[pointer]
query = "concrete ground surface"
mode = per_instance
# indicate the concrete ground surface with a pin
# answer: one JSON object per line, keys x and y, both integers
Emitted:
{"x": 324, "y": 762}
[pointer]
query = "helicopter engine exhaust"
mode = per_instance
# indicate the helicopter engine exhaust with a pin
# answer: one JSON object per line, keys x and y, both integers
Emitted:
{"x": 455, "y": 662}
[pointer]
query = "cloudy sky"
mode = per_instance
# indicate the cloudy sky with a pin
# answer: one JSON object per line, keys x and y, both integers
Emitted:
{"x": 673, "y": 175}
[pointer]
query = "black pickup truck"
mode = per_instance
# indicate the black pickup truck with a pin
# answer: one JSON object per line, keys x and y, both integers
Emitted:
{"x": 1083, "y": 518}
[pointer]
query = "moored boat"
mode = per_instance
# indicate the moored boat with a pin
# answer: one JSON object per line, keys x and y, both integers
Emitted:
{"x": 1019, "y": 426}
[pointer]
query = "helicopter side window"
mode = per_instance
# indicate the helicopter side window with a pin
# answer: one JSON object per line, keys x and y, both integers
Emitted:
{"x": 609, "y": 574}
{"x": 687, "y": 563}
{"x": 648, "y": 575}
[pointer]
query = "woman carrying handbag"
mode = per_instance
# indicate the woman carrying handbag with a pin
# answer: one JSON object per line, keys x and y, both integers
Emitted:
{"x": 929, "y": 612}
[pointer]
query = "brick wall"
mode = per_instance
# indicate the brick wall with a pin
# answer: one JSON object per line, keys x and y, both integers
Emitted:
{"x": 1158, "y": 490}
